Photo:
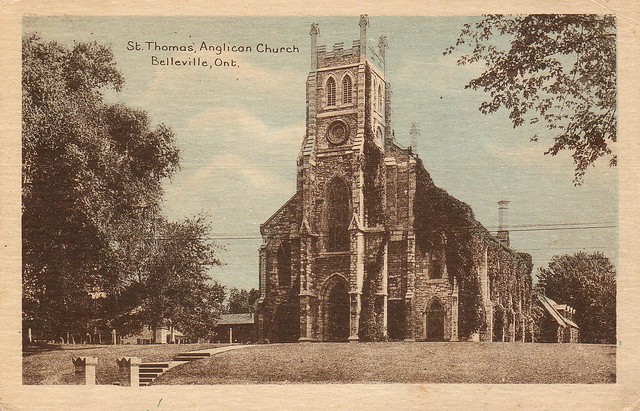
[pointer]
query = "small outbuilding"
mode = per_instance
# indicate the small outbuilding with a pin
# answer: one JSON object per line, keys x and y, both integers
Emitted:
{"x": 235, "y": 328}
{"x": 556, "y": 324}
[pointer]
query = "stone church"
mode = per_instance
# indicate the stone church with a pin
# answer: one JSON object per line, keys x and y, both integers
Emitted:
{"x": 369, "y": 248}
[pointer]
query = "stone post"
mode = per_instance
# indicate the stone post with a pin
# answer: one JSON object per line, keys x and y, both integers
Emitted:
{"x": 314, "y": 46}
{"x": 129, "y": 371}
{"x": 356, "y": 276}
{"x": 306, "y": 326}
{"x": 454, "y": 313}
{"x": 262, "y": 268}
{"x": 488, "y": 309}
{"x": 364, "y": 22}
{"x": 85, "y": 370}
{"x": 383, "y": 291}
{"x": 512, "y": 326}
{"x": 354, "y": 322}
{"x": 114, "y": 341}
{"x": 532, "y": 330}
{"x": 411, "y": 279}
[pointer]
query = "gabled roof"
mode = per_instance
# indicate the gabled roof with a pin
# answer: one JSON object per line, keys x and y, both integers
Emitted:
{"x": 293, "y": 198}
{"x": 550, "y": 306}
{"x": 235, "y": 319}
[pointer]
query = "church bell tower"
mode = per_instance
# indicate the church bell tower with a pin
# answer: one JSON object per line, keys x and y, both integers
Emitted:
{"x": 347, "y": 117}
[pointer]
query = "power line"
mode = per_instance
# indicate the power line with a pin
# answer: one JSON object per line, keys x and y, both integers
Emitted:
{"x": 563, "y": 228}
{"x": 513, "y": 228}
{"x": 559, "y": 224}
{"x": 540, "y": 228}
{"x": 566, "y": 248}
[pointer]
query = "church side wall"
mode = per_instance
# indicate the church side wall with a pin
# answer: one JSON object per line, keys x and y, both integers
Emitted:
{"x": 510, "y": 285}
{"x": 428, "y": 289}
{"x": 283, "y": 226}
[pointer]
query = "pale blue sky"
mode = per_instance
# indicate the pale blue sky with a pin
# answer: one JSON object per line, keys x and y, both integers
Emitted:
{"x": 240, "y": 129}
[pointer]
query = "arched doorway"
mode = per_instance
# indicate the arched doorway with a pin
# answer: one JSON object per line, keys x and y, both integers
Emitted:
{"x": 287, "y": 323}
{"x": 336, "y": 310}
{"x": 434, "y": 318}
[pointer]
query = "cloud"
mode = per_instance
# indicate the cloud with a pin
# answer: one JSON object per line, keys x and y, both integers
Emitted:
{"x": 250, "y": 132}
{"x": 236, "y": 166}
{"x": 225, "y": 165}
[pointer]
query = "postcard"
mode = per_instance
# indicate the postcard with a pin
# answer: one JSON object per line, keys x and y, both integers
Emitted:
{"x": 285, "y": 210}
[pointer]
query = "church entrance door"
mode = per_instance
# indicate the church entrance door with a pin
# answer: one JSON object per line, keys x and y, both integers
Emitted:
{"x": 287, "y": 323}
{"x": 435, "y": 321}
{"x": 337, "y": 313}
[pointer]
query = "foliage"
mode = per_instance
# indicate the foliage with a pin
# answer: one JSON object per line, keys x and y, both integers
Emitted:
{"x": 371, "y": 328}
{"x": 173, "y": 285}
{"x": 439, "y": 215}
{"x": 374, "y": 182}
{"x": 558, "y": 70}
{"x": 92, "y": 188}
{"x": 587, "y": 282}
{"x": 241, "y": 301}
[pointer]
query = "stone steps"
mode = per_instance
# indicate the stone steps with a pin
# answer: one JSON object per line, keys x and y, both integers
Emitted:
{"x": 191, "y": 356}
{"x": 150, "y": 371}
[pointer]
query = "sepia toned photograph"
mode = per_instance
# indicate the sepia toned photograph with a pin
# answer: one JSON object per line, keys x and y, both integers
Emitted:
{"x": 319, "y": 200}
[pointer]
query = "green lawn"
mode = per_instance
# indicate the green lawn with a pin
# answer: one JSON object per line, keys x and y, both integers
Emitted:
{"x": 402, "y": 363}
{"x": 51, "y": 364}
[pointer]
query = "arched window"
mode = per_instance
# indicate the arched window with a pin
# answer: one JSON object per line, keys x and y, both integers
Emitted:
{"x": 331, "y": 92}
{"x": 284, "y": 264}
{"x": 379, "y": 98}
{"x": 338, "y": 215}
{"x": 347, "y": 90}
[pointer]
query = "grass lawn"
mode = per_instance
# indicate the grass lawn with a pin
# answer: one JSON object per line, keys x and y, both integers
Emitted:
{"x": 51, "y": 364}
{"x": 402, "y": 363}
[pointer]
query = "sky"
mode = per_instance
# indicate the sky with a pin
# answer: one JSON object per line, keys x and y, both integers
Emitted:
{"x": 239, "y": 127}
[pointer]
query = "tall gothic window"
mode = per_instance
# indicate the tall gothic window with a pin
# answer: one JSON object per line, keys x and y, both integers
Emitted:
{"x": 331, "y": 92}
{"x": 338, "y": 215}
{"x": 347, "y": 90}
{"x": 284, "y": 264}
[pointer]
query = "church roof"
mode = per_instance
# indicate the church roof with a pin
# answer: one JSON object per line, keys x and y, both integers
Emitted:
{"x": 292, "y": 199}
{"x": 550, "y": 306}
{"x": 235, "y": 319}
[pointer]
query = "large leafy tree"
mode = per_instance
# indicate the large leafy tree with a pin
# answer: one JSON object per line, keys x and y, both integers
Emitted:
{"x": 587, "y": 282}
{"x": 92, "y": 187}
{"x": 171, "y": 283}
{"x": 558, "y": 70}
{"x": 241, "y": 301}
